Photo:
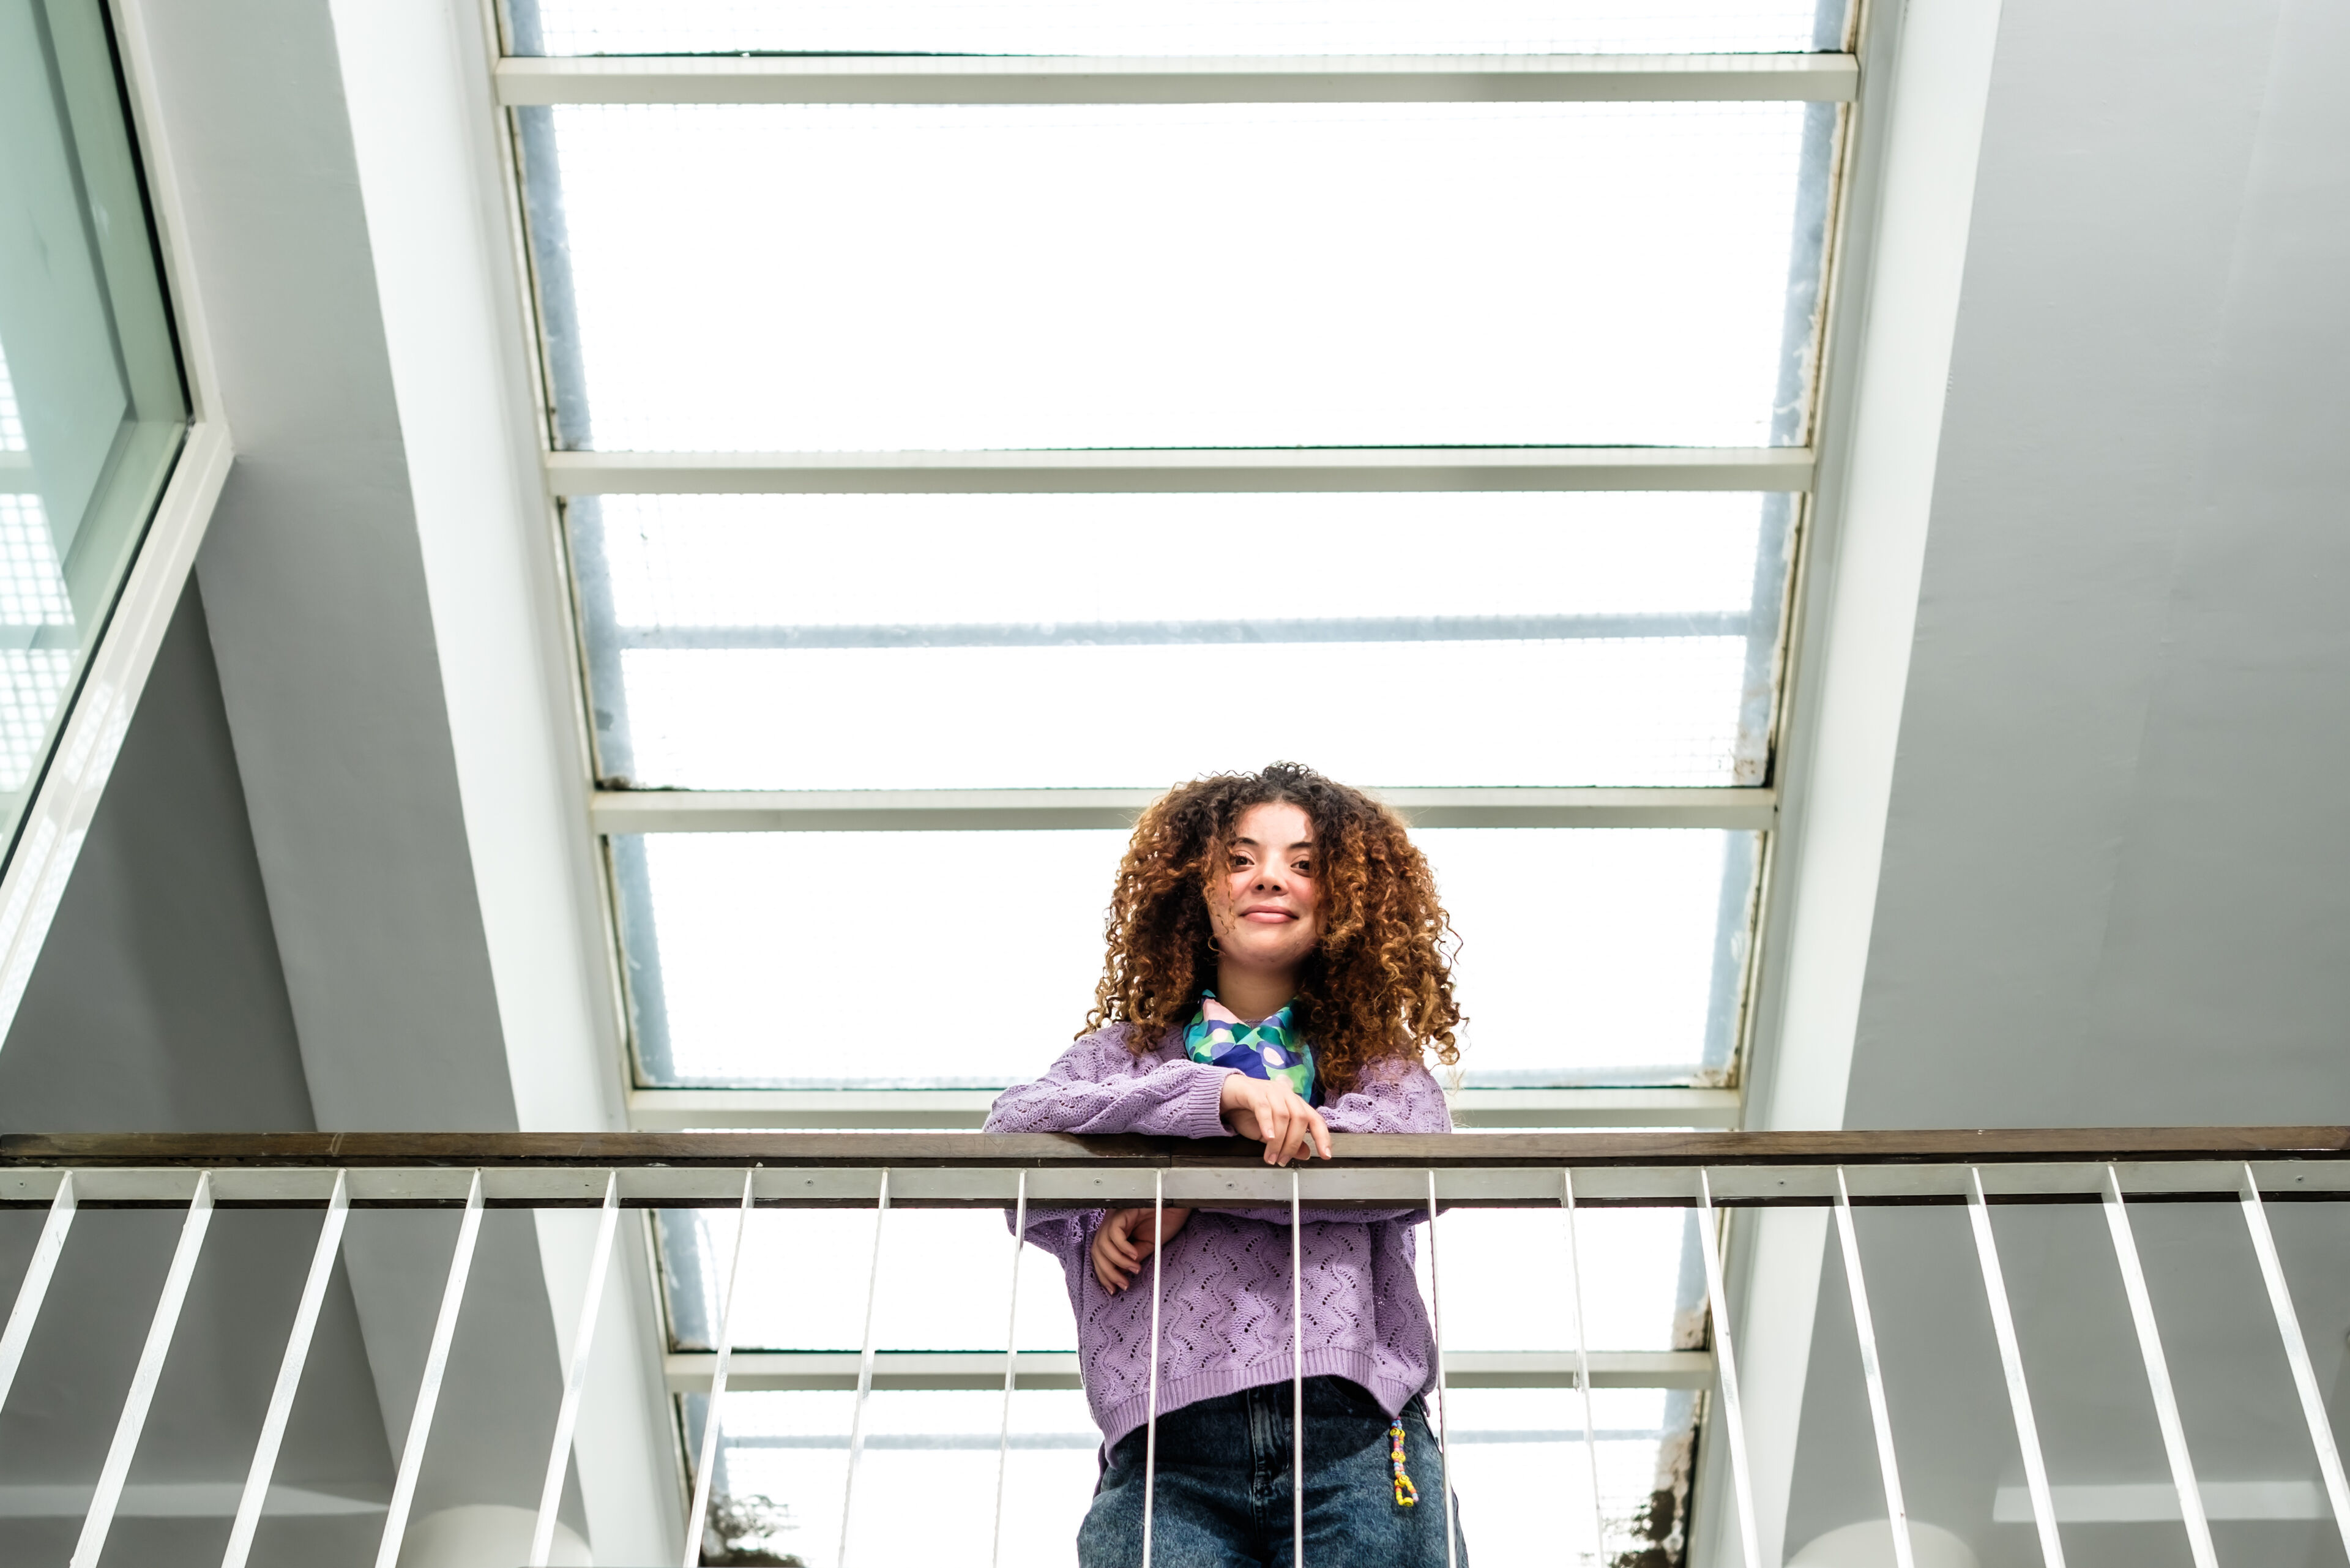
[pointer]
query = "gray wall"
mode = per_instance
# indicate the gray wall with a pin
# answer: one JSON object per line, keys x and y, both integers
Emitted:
{"x": 158, "y": 1006}
{"x": 2117, "y": 877}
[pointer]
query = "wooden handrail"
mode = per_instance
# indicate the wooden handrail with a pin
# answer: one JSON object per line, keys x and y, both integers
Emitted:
{"x": 982, "y": 1152}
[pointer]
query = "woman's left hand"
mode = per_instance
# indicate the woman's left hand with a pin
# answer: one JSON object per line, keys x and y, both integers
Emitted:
{"x": 1125, "y": 1239}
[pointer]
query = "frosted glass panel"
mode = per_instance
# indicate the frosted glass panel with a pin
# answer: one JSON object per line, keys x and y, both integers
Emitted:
{"x": 1173, "y": 276}
{"x": 1203, "y": 27}
{"x": 934, "y": 641}
{"x": 968, "y": 959}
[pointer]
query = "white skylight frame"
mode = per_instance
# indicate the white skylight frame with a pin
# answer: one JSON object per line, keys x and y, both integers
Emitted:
{"x": 1787, "y": 471}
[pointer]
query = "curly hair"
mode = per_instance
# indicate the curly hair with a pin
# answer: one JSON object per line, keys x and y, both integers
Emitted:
{"x": 1378, "y": 985}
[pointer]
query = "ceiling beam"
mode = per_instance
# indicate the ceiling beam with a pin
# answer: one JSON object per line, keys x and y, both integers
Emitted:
{"x": 1155, "y": 80}
{"x": 1219, "y": 470}
{"x": 959, "y": 810}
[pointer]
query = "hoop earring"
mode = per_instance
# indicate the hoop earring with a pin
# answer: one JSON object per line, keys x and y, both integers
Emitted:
{"x": 1213, "y": 948}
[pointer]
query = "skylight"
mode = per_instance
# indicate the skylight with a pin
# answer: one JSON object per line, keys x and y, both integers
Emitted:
{"x": 954, "y": 403}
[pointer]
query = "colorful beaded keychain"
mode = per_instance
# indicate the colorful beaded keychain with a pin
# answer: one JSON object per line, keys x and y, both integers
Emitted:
{"x": 1405, "y": 1493}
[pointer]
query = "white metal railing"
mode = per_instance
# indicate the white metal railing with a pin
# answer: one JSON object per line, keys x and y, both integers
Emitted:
{"x": 1564, "y": 1173}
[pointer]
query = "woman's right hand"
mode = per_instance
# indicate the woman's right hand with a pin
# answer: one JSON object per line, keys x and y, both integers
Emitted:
{"x": 1270, "y": 1111}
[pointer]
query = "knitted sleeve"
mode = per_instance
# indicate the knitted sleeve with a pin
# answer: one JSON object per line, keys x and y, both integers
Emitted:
{"x": 1390, "y": 1098}
{"x": 1100, "y": 1087}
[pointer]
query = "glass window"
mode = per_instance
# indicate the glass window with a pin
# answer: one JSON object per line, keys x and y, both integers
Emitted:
{"x": 1202, "y": 28}
{"x": 1588, "y": 956}
{"x": 966, "y": 641}
{"x": 1175, "y": 275}
{"x": 92, "y": 409}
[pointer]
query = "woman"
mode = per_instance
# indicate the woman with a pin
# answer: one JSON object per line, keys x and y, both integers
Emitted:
{"x": 1275, "y": 969}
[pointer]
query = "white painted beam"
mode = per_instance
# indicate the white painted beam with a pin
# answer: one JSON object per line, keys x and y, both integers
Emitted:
{"x": 1317, "y": 79}
{"x": 1219, "y": 470}
{"x": 426, "y": 138}
{"x": 1914, "y": 167}
{"x": 936, "y": 811}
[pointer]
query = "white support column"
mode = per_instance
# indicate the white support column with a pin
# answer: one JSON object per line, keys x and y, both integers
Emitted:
{"x": 1915, "y": 139}
{"x": 427, "y": 138}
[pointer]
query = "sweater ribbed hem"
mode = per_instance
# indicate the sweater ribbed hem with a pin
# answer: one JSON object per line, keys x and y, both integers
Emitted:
{"x": 1203, "y": 1103}
{"x": 1355, "y": 1365}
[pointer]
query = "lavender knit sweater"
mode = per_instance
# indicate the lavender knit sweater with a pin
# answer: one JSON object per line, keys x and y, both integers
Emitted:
{"x": 1224, "y": 1318}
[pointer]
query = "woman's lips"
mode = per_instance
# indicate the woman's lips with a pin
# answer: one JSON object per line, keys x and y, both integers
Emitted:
{"x": 1268, "y": 915}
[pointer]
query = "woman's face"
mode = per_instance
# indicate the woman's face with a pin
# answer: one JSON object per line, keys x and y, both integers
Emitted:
{"x": 1266, "y": 907}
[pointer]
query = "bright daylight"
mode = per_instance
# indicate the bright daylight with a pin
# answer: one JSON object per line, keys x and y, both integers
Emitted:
{"x": 1057, "y": 783}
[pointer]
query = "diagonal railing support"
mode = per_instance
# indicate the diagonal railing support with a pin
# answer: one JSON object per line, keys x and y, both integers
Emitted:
{"x": 2157, "y": 1377}
{"x": 574, "y": 1382}
{"x": 699, "y": 1509}
{"x": 290, "y": 1375}
{"x": 2011, "y": 1362}
{"x": 136, "y": 1403}
{"x": 34, "y": 1287}
{"x": 1725, "y": 1365}
{"x": 428, "y": 1390}
{"x": 1872, "y": 1371}
{"x": 2297, "y": 1354}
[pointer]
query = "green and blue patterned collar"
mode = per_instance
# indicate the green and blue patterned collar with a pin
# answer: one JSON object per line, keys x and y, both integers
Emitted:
{"x": 1270, "y": 1048}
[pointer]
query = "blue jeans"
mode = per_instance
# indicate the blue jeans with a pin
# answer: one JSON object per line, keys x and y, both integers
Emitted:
{"x": 1223, "y": 1497}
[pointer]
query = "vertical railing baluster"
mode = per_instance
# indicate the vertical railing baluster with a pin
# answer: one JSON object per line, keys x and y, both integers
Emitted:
{"x": 1297, "y": 1376}
{"x": 2157, "y": 1375}
{"x": 575, "y": 1381}
{"x": 1443, "y": 1401}
{"x": 1583, "y": 1368}
{"x": 34, "y": 1287}
{"x": 864, "y": 1377}
{"x": 289, "y": 1376}
{"x": 1872, "y": 1372}
{"x": 1011, "y": 1364}
{"x": 133, "y": 1420}
{"x": 2297, "y": 1354}
{"x": 1150, "y": 1398}
{"x": 428, "y": 1391}
{"x": 2011, "y": 1362}
{"x": 1725, "y": 1360}
{"x": 699, "y": 1509}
